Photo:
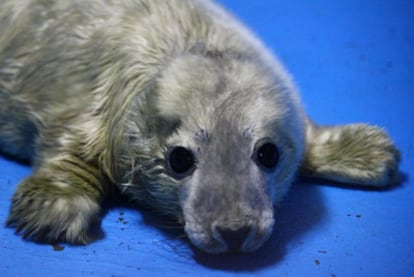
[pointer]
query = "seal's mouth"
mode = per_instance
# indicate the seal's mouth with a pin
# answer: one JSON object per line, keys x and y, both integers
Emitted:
{"x": 220, "y": 237}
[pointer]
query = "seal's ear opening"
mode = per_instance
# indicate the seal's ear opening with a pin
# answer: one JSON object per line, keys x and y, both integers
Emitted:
{"x": 357, "y": 154}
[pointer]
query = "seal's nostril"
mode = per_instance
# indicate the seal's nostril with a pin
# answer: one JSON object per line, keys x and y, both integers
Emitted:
{"x": 234, "y": 238}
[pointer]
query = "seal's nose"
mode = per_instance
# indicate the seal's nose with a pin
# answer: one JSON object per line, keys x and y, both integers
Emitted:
{"x": 234, "y": 238}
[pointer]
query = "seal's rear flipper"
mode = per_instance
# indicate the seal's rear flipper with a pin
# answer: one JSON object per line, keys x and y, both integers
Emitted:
{"x": 357, "y": 154}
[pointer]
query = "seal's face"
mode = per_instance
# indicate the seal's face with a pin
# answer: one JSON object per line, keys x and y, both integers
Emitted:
{"x": 226, "y": 193}
{"x": 234, "y": 151}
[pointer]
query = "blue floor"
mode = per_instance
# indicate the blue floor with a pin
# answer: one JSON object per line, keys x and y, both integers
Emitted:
{"x": 354, "y": 62}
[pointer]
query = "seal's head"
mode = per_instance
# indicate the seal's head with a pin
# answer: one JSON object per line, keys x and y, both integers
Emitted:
{"x": 231, "y": 140}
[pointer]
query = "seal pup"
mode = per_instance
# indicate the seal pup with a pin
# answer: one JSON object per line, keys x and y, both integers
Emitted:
{"x": 173, "y": 102}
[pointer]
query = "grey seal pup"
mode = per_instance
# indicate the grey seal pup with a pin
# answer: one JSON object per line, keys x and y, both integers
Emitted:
{"x": 172, "y": 102}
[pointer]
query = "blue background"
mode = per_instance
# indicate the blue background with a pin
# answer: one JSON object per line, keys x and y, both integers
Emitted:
{"x": 354, "y": 62}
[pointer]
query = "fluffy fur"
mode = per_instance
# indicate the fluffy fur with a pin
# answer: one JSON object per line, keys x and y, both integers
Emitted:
{"x": 96, "y": 94}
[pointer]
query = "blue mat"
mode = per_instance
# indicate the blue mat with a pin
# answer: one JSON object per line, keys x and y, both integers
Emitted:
{"x": 354, "y": 62}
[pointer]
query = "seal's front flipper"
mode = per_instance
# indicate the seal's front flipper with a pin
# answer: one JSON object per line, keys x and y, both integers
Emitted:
{"x": 357, "y": 154}
{"x": 60, "y": 202}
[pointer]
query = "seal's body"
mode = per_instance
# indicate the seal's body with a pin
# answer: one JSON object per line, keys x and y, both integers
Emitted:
{"x": 173, "y": 102}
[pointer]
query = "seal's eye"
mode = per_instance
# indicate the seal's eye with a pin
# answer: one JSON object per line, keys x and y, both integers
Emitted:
{"x": 266, "y": 154}
{"x": 181, "y": 162}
